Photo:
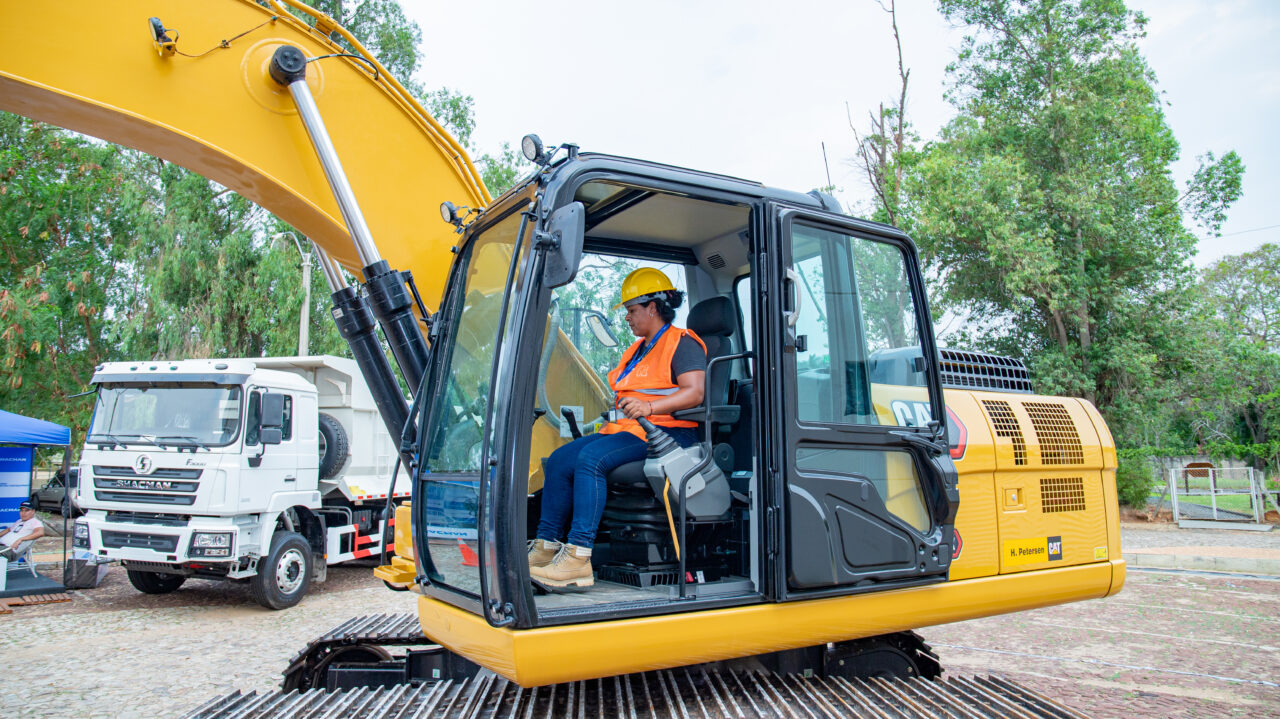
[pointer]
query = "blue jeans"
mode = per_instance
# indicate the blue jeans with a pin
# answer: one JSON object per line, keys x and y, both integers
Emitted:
{"x": 574, "y": 481}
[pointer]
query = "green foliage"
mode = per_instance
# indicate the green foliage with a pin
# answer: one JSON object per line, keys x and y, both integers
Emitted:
{"x": 1236, "y": 413}
{"x": 1216, "y": 184}
{"x": 1134, "y": 481}
{"x": 109, "y": 254}
{"x": 64, "y": 243}
{"x": 1048, "y": 210}
{"x": 500, "y": 171}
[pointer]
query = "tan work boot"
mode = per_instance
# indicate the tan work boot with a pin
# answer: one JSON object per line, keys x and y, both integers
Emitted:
{"x": 542, "y": 552}
{"x": 570, "y": 568}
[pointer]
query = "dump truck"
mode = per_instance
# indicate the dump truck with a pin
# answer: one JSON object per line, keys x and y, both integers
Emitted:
{"x": 266, "y": 470}
{"x": 874, "y": 484}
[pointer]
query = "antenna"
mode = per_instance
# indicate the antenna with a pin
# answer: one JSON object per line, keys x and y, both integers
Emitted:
{"x": 824, "y": 163}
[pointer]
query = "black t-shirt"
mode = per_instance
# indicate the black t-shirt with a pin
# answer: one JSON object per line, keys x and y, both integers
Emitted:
{"x": 688, "y": 357}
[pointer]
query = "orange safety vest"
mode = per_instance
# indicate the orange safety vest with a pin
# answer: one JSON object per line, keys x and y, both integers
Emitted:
{"x": 649, "y": 379}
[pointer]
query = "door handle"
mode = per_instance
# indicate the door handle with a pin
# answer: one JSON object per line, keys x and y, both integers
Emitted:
{"x": 797, "y": 299}
{"x": 290, "y": 478}
{"x": 919, "y": 440}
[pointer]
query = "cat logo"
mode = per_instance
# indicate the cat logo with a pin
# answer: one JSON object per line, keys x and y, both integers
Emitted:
{"x": 1055, "y": 549}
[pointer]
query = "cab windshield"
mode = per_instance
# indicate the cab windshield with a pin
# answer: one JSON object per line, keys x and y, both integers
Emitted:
{"x": 169, "y": 414}
{"x": 454, "y": 429}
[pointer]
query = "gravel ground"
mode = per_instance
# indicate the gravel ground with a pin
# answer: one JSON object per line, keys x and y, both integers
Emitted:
{"x": 1172, "y": 644}
{"x": 1146, "y": 536}
{"x": 112, "y": 652}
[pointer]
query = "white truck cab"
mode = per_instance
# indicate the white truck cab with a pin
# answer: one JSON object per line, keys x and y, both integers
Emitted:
{"x": 266, "y": 469}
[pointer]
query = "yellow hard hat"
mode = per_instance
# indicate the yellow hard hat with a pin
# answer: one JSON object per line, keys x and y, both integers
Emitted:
{"x": 643, "y": 282}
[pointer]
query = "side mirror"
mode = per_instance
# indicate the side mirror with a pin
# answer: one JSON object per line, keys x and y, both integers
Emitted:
{"x": 271, "y": 435}
{"x": 73, "y": 478}
{"x": 272, "y": 412}
{"x": 601, "y": 330}
{"x": 563, "y": 240}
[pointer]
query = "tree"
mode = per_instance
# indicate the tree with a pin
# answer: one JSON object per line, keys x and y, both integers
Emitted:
{"x": 1244, "y": 291}
{"x": 882, "y": 150}
{"x": 1240, "y": 409}
{"x": 64, "y": 242}
{"x": 1047, "y": 202}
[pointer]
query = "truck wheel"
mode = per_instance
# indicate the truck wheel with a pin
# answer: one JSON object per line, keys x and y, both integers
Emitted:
{"x": 333, "y": 446}
{"x": 155, "y": 582}
{"x": 284, "y": 575}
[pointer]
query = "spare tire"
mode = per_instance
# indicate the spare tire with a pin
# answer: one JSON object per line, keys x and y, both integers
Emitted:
{"x": 333, "y": 446}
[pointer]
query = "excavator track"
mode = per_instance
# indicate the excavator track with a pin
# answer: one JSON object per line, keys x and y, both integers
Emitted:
{"x": 306, "y": 669}
{"x": 687, "y": 693}
{"x": 683, "y": 693}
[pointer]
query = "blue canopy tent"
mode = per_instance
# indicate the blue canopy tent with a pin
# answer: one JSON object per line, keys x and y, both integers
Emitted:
{"x": 19, "y": 436}
{"x": 16, "y": 429}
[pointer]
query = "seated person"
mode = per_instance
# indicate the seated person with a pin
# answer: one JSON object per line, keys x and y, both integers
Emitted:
{"x": 17, "y": 537}
{"x": 662, "y": 372}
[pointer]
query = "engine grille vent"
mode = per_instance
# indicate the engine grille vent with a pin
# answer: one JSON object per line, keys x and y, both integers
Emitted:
{"x": 979, "y": 370}
{"x": 1056, "y": 433}
{"x": 1006, "y": 424}
{"x": 1062, "y": 494}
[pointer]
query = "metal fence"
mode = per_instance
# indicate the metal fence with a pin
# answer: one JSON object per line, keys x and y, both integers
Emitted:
{"x": 1219, "y": 494}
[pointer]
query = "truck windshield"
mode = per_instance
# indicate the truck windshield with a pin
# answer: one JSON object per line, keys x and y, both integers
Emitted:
{"x": 169, "y": 414}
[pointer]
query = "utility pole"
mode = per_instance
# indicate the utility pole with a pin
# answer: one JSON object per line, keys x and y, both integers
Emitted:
{"x": 304, "y": 323}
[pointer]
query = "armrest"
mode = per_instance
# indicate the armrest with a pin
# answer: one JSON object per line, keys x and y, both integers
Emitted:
{"x": 720, "y": 414}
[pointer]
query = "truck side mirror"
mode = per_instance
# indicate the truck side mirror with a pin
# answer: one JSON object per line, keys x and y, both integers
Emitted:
{"x": 272, "y": 411}
{"x": 271, "y": 435}
{"x": 563, "y": 240}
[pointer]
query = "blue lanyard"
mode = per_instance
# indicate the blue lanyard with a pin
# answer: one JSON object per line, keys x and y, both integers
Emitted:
{"x": 640, "y": 355}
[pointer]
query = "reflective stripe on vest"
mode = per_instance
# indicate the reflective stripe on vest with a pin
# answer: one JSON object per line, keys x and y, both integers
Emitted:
{"x": 651, "y": 377}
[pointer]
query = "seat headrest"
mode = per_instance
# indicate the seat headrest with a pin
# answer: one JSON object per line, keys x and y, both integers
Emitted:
{"x": 714, "y": 317}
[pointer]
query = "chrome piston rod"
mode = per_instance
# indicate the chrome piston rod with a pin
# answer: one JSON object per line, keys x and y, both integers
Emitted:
{"x": 289, "y": 67}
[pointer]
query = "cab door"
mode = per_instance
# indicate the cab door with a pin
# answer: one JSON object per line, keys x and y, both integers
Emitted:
{"x": 863, "y": 499}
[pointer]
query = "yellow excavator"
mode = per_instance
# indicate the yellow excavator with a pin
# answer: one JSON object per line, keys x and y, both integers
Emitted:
{"x": 854, "y": 481}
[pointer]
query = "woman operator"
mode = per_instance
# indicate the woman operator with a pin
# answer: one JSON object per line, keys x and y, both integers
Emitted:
{"x": 662, "y": 372}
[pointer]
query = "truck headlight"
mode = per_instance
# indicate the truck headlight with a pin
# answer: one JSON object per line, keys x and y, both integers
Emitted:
{"x": 211, "y": 544}
{"x": 81, "y": 537}
{"x": 206, "y": 539}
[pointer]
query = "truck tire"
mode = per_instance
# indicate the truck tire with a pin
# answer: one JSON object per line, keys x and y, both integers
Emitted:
{"x": 333, "y": 446}
{"x": 155, "y": 582}
{"x": 285, "y": 573}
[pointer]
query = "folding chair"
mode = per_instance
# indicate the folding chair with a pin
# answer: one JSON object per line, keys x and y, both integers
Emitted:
{"x": 23, "y": 559}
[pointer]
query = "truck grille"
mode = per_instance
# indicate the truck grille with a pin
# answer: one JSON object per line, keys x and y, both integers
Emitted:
{"x": 176, "y": 500}
{"x": 163, "y": 473}
{"x": 173, "y": 486}
{"x": 166, "y": 485}
{"x": 139, "y": 540}
{"x": 163, "y": 520}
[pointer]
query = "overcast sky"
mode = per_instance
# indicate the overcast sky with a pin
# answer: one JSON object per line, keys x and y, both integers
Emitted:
{"x": 753, "y": 89}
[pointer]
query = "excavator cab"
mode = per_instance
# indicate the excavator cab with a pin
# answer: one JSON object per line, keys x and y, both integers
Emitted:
{"x": 816, "y": 325}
